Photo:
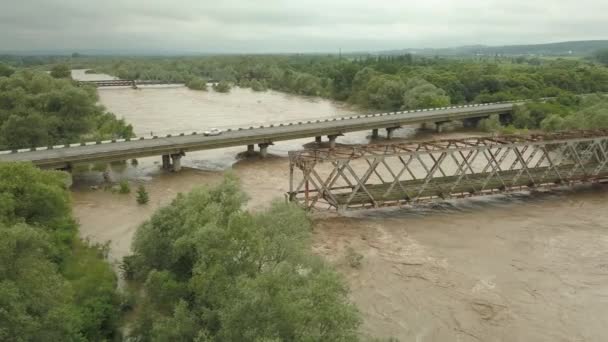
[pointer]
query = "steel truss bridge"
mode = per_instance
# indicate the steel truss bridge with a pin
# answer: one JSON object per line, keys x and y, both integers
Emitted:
{"x": 393, "y": 174}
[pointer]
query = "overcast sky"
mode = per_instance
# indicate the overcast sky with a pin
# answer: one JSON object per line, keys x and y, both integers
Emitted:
{"x": 292, "y": 25}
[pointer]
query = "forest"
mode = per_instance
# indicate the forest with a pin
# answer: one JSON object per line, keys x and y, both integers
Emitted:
{"x": 389, "y": 83}
{"x": 44, "y": 109}
{"x": 53, "y": 285}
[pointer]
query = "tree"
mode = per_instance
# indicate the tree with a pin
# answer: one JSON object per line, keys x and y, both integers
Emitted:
{"x": 5, "y": 70}
{"x": 61, "y": 71}
{"x": 53, "y": 287}
{"x": 422, "y": 94}
{"x": 36, "y": 302}
{"x": 602, "y": 56}
{"x": 38, "y": 110}
{"x": 215, "y": 272}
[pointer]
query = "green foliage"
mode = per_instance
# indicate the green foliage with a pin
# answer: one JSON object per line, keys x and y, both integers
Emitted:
{"x": 53, "y": 287}
{"x": 222, "y": 87}
{"x": 257, "y": 85}
{"x": 39, "y": 199}
{"x": 142, "y": 195}
{"x": 36, "y": 302}
{"x": 197, "y": 83}
{"x": 124, "y": 187}
{"x": 61, "y": 71}
{"x": 602, "y": 56}
{"x": 491, "y": 124}
{"x": 213, "y": 272}
{"x": 380, "y": 82}
{"x": 5, "y": 70}
{"x": 422, "y": 94}
{"x": 38, "y": 110}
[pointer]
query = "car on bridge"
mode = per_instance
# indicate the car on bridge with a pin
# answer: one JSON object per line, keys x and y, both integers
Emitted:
{"x": 212, "y": 132}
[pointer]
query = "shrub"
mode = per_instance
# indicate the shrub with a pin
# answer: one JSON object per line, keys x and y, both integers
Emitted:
{"x": 222, "y": 87}
{"x": 142, "y": 195}
{"x": 197, "y": 84}
{"x": 124, "y": 187}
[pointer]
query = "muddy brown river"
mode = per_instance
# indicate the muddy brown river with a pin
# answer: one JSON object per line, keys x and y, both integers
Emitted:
{"x": 523, "y": 267}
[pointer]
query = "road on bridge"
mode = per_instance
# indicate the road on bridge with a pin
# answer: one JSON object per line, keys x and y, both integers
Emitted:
{"x": 62, "y": 157}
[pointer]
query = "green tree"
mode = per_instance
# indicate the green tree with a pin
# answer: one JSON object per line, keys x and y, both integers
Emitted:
{"x": 36, "y": 302}
{"x": 53, "y": 287}
{"x": 422, "y": 94}
{"x": 5, "y": 70}
{"x": 602, "y": 56}
{"x": 38, "y": 110}
{"x": 215, "y": 272}
{"x": 61, "y": 71}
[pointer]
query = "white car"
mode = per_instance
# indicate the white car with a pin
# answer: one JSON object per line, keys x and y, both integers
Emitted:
{"x": 213, "y": 131}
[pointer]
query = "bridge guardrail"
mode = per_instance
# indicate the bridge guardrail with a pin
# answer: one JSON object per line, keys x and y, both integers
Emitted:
{"x": 292, "y": 122}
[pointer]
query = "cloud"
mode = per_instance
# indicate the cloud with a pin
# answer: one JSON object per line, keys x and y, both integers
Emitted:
{"x": 290, "y": 25}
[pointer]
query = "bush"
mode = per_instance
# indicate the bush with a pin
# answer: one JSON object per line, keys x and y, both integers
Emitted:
{"x": 222, "y": 87}
{"x": 197, "y": 84}
{"x": 61, "y": 71}
{"x": 124, "y": 187}
{"x": 142, "y": 195}
{"x": 491, "y": 124}
{"x": 257, "y": 86}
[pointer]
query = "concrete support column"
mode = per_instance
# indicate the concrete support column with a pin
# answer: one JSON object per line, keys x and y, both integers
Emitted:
{"x": 250, "y": 149}
{"x": 438, "y": 127}
{"x": 375, "y": 133}
{"x": 332, "y": 140}
{"x": 177, "y": 162}
{"x": 389, "y": 132}
{"x": 166, "y": 161}
{"x": 263, "y": 150}
{"x": 318, "y": 139}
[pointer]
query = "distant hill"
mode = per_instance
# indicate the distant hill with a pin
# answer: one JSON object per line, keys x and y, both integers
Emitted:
{"x": 574, "y": 48}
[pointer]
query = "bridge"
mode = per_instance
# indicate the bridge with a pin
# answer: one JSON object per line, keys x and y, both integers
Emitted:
{"x": 383, "y": 175}
{"x": 125, "y": 83}
{"x": 173, "y": 147}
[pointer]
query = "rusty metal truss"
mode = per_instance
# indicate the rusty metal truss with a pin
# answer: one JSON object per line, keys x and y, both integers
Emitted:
{"x": 391, "y": 174}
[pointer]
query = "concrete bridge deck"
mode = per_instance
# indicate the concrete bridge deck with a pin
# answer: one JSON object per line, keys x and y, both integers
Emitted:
{"x": 178, "y": 145}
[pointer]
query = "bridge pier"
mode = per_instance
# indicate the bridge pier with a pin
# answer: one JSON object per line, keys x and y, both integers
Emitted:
{"x": 390, "y": 132}
{"x": 264, "y": 149}
{"x": 332, "y": 140}
{"x": 439, "y": 127}
{"x": 375, "y": 133}
{"x": 318, "y": 139}
{"x": 166, "y": 162}
{"x": 250, "y": 149}
{"x": 177, "y": 162}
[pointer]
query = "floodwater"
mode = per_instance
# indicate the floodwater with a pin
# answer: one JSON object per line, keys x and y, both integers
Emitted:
{"x": 523, "y": 267}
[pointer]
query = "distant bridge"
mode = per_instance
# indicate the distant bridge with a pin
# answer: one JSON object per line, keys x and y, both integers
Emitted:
{"x": 172, "y": 148}
{"x": 383, "y": 175}
{"x": 126, "y": 83}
